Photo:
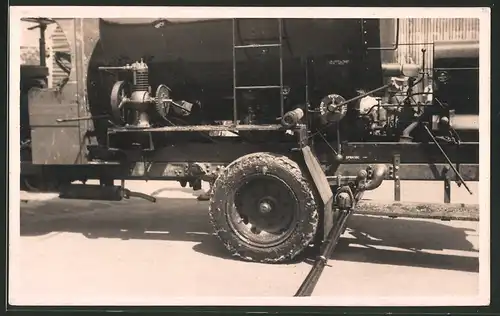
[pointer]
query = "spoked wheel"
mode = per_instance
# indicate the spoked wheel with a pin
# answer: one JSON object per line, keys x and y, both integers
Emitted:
{"x": 121, "y": 115}
{"x": 162, "y": 106}
{"x": 263, "y": 209}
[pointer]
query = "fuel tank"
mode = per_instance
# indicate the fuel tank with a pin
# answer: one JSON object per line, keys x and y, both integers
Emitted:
{"x": 456, "y": 83}
{"x": 195, "y": 58}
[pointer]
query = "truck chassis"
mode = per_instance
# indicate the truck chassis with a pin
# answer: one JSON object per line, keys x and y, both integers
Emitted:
{"x": 302, "y": 190}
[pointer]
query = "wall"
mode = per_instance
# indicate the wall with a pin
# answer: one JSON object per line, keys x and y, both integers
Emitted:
{"x": 55, "y": 40}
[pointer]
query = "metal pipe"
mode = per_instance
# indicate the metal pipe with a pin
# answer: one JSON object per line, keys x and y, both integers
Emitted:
{"x": 447, "y": 159}
{"x": 235, "y": 110}
{"x": 307, "y": 287}
{"x": 128, "y": 67}
{"x": 307, "y": 81}
{"x": 396, "y": 41}
{"x": 363, "y": 95}
{"x": 280, "y": 30}
{"x": 406, "y": 133}
{"x": 82, "y": 118}
{"x": 379, "y": 173}
{"x": 43, "y": 62}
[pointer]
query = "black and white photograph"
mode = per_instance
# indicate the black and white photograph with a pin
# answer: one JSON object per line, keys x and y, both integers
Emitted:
{"x": 249, "y": 156}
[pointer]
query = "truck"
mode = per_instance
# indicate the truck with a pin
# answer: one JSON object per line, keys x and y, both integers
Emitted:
{"x": 290, "y": 121}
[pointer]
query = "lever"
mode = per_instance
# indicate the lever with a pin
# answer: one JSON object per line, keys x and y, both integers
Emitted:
{"x": 82, "y": 118}
{"x": 447, "y": 158}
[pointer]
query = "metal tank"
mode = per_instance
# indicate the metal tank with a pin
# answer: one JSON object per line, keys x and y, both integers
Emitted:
{"x": 194, "y": 58}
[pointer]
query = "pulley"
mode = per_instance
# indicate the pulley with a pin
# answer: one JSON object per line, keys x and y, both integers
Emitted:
{"x": 119, "y": 96}
{"x": 162, "y": 100}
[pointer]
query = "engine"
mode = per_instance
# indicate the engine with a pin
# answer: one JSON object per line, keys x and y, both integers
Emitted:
{"x": 133, "y": 105}
{"x": 394, "y": 111}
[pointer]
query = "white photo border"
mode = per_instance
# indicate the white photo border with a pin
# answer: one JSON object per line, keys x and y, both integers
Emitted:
{"x": 15, "y": 13}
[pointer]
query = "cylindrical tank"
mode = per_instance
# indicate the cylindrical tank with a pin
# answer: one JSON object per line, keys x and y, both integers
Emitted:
{"x": 195, "y": 59}
{"x": 456, "y": 75}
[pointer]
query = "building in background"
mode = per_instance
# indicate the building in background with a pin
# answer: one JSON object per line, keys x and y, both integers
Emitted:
{"x": 55, "y": 42}
{"x": 418, "y": 34}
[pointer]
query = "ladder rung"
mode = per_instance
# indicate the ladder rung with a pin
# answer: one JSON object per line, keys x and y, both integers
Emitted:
{"x": 257, "y": 87}
{"x": 257, "y": 45}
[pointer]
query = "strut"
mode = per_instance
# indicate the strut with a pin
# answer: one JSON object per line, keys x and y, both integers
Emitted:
{"x": 457, "y": 173}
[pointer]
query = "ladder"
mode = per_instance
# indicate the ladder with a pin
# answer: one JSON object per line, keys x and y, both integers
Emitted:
{"x": 241, "y": 47}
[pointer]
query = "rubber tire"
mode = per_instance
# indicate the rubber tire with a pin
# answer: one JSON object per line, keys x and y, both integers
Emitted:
{"x": 287, "y": 170}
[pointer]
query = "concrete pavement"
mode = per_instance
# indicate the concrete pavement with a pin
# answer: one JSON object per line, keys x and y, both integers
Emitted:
{"x": 82, "y": 252}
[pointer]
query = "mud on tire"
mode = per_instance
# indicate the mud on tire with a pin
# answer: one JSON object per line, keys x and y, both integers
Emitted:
{"x": 266, "y": 195}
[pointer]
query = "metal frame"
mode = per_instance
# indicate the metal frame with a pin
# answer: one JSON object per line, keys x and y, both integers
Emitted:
{"x": 405, "y": 161}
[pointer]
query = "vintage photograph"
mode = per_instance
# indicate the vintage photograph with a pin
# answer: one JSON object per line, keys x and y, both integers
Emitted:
{"x": 249, "y": 156}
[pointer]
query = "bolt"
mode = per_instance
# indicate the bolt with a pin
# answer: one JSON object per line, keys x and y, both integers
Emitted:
{"x": 265, "y": 207}
{"x": 264, "y": 170}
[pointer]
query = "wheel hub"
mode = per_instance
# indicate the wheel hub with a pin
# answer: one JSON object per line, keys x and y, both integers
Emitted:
{"x": 266, "y": 206}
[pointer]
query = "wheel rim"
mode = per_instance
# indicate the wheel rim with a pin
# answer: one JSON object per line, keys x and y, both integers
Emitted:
{"x": 263, "y": 210}
{"x": 121, "y": 114}
{"x": 162, "y": 92}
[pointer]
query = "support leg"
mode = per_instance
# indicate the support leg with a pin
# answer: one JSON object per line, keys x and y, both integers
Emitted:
{"x": 397, "y": 182}
{"x": 447, "y": 185}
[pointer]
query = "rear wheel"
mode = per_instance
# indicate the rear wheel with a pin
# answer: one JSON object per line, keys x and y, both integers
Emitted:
{"x": 263, "y": 208}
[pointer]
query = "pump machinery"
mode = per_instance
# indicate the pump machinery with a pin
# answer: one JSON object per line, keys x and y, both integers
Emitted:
{"x": 289, "y": 120}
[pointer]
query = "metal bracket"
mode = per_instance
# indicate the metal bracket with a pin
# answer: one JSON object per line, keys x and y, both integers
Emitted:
{"x": 322, "y": 186}
{"x": 396, "y": 161}
{"x": 447, "y": 184}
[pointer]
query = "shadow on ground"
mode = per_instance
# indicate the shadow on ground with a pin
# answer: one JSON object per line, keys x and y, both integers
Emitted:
{"x": 405, "y": 242}
{"x": 187, "y": 220}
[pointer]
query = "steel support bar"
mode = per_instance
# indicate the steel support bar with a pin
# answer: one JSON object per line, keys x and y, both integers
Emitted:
{"x": 441, "y": 211}
{"x": 176, "y": 170}
{"x": 307, "y": 287}
{"x": 228, "y": 149}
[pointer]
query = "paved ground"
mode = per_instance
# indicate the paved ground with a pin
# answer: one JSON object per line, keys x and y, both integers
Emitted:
{"x": 83, "y": 252}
